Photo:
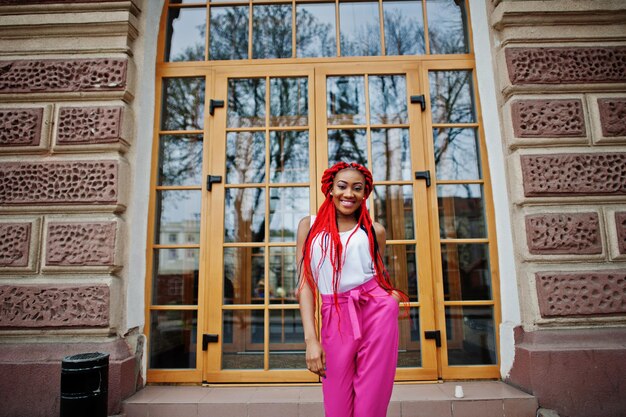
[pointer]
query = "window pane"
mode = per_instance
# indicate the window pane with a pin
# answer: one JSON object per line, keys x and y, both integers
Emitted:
{"x": 185, "y": 34}
{"x": 242, "y": 347}
{"x": 175, "y": 280}
{"x": 244, "y": 277}
{"x": 391, "y": 154}
{"x": 447, "y": 26}
{"x": 359, "y": 26}
{"x": 283, "y": 275}
{"x": 457, "y": 156}
{"x": 388, "y": 99}
{"x": 404, "y": 27}
{"x": 271, "y": 31}
{"x": 466, "y": 271}
{"x": 287, "y": 206}
{"x": 451, "y": 96}
{"x": 402, "y": 267}
{"x": 409, "y": 348}
{"x": 246, "y": 102}
{"x": 345, "y": 100}
{"x": 178, "y": 212}
{"x": 394, "y": 210}
{"x": 461, "y": 211}
{"x": 315, "y": 30}
{"x": 471, "y": 336}
{"x": 289, "y": 98}
{"x": 289, "y": 154}
{"x": 245, "y": 157}
{"x": 183, "y": 104}
{"x": 173, "y": 339}
{"x": 229, "y": 33}
{"x": 244, "y": 215}
{"x": 347, "y": 145}
{"x": 287, "y": 350}
{"x": 180, "y": 160}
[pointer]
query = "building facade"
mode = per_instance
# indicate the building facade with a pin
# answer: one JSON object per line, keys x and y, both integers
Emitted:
{"x": 156, "y": 157}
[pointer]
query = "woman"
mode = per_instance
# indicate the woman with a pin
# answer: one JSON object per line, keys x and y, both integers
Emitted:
{"x": 340, "y": 255}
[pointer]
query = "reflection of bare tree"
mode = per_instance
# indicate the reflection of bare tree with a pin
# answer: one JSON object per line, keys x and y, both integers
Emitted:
{"x": 364, "y": 42}
{"x": 229, "y": 33}
{"x": 313, "y": 38}
{"x": 272, "y": 31}
{"x": 403, "y": 35}
{"x": 447, "y": 28}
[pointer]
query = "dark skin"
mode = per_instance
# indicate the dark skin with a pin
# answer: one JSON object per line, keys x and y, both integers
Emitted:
{"x": 348, "y": 193}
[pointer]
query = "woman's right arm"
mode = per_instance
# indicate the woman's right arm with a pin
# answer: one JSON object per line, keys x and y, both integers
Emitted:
{"x": 315, "y": 356}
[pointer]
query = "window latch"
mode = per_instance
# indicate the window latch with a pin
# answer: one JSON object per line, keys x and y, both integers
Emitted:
{"x": 213, "y": 104}
{"x": 423, "y": 175}
{"x": 212, "y": 179}
{"x": 419, "y": 99}
{"x": 209, "y": 338}
{"x": 433, "y": 334}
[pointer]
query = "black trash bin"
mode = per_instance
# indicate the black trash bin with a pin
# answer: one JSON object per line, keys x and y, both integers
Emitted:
{"x": 85, "y": 385}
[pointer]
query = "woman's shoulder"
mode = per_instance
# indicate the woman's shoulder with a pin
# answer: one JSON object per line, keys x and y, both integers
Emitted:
{"x": 306, "y": 222}
{"x": 379, "y": 230}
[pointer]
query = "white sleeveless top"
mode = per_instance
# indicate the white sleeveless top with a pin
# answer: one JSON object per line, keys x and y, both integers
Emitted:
{"x": 357, "y": 268}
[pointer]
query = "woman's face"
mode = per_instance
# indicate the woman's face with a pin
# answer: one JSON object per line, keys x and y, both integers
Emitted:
{"x": 348, "y": 191}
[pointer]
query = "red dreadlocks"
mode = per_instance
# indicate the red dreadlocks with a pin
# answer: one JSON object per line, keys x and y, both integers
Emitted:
{"x": 326, "y": 224}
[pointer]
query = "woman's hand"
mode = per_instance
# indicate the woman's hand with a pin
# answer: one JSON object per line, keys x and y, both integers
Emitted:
{"x": 315, "y": 358}
{"x": 396, "y": 296}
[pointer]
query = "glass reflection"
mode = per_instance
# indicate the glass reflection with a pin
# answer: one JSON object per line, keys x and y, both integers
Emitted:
{"x": 359, "y": 26}
{"x": 394, "y": 210}
{"x": 471, "y": 336}
{"x": 289, "y": 101}
{"x": 271, "y": 31}
{"x": 461, "y": 211}
{"x": 244, "y": 277}
{"x": 345, "y": 98}
{"x": 180, "y": 160}
{"x": 173, "y": 339}
{"x": 402, "y": 266}
{"x": 315, "y": 30}
{"x": 387, "y": 99}
{"x": 391, "y": 154}
{"x": 289, "y": 156}
{"x": 347, "y": 145}
{"x": 184, "y": 39}
{"x": 245, "y": 157}
{"x": 457, "y": 156}
{"x": 229, "y": 33}
{"x": 244, "y": 215}
{"x": 409, "y": 347}
{"x": 452, "y": 96}
{"x": 183, "y": 104}
{"x": 404, "y": 28}
{"x": 287, "y": 350}
{"x": 447, "y": 26}
{"x": 287, "y": 207}
{"x": 283, "y": 275}
{"x": 466, "y": 271}
{"x": 246, "y": 102}
{"x": 178, "y": 214}
{"x": 175, "y": 280}
{"x": 242, "y": 346}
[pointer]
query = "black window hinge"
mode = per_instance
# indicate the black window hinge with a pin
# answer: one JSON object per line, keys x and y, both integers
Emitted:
{"x": 213, "y": 104}
{"x": 419, "y": 99}
{"x": 423, "y": 175}
{"x": 433, "y": 334}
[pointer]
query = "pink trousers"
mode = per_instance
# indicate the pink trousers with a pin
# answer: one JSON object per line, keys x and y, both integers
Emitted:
{"x": 361, "y": 345}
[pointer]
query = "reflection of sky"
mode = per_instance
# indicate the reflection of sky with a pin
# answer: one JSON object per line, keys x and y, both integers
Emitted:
{"x": 188, "y": 30}
{"x": 460, "y": 190}
{"x": 460, "y": 160}
{"x": 359, "y": 23}
{"x": 288, "y": 206}
{"x": 178, "y": 206}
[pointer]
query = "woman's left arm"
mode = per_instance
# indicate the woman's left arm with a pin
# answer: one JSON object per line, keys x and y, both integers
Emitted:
{"x": 381, "y": 238}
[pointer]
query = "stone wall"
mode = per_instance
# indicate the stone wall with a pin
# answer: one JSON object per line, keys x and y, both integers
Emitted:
{"x": 66, "y": 93}
{"x": 561, "y": 68}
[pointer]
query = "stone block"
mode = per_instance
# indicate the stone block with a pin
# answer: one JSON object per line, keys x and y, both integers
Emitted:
{"x": 59, "y": 182}
{"x": 563, "y": 233}
{"x": 548, "y": 118}
{"x": 20, "y": 126}
{"x": 88, "y": 125}
{"x": 620, "y": 227}
{"x": 42, "y": 306}
{"x": 19, "y": 249}
{"x": 58, "y": 76}
{"x": 566, "y": 65}
{"x": 566, "y": 294}
{"x": 80, "y": 244}
{"x": 612, "y": 116}
{"x": 574, "y": 174}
